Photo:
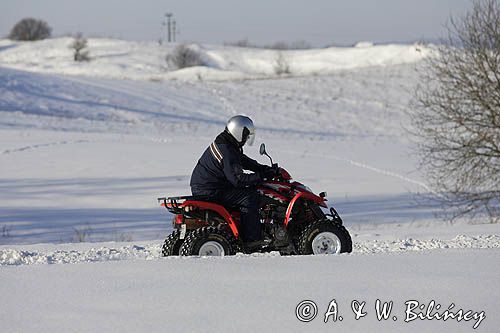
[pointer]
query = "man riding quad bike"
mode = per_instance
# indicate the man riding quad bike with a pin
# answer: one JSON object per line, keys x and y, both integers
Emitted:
{"x": 232, "y": 211}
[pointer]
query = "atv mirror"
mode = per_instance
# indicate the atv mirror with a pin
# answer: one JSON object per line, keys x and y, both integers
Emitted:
{"x": 264, "y": 152}
{"x": 263, "y": 149}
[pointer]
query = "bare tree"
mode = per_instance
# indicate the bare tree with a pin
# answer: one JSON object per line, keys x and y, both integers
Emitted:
{"x": 240, "y": 43}
{"x": 30, "y": 29}
{"x": 300, "y": 45}
{"x": 281, "y": 65}
{"x": 296, "y": 45}
{"x": 183, "y": 56}
{"x": 458, "y": 115}
{"x": 82, "y": 234}
{"x": 279, "y": 45}
{"x": 79, "y": 46}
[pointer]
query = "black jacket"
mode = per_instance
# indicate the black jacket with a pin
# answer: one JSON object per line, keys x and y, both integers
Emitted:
{"x": 221, "y": 167}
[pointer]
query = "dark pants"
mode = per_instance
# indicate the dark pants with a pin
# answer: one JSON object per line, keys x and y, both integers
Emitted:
{"x": 247, "y": 201}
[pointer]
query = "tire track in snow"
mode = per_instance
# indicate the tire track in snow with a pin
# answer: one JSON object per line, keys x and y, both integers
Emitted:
{"x": 42, "y": 145}
{"x": 374, "y": 169}
{"x": 15, "y": 257}
{"x": 385, "y": 172}
{"x": 226, "y": 104}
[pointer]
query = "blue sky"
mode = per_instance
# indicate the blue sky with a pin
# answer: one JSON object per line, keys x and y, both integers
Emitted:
{"x": 320, "y": 22}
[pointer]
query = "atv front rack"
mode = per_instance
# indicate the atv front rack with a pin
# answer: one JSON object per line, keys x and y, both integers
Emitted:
{"x": 335, "y": 216}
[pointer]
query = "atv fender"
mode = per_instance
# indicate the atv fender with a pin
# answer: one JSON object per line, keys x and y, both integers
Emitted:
{"x": 305, "y": 195}
{"x": 216, "y": 208}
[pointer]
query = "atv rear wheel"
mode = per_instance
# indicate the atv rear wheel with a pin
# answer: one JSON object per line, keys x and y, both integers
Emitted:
{"x": 324, "y": 237}
{"x": 172, "y": 244}
{"x": 209, "y": 241}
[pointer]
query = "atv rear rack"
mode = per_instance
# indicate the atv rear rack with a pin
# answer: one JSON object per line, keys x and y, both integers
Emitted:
{"x": 175, "y": 204}
{"x": 172, "y": 204}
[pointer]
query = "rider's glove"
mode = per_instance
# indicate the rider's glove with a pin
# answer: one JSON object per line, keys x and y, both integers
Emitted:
{"x": 276, "y": 169}
{"x": 268, "y": 173}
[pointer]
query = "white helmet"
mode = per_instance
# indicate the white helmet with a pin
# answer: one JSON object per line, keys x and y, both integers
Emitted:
{"x": 242, "y": 129}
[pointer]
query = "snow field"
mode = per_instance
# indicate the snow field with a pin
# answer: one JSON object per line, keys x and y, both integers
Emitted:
{"x": 85, "y": 149}
{"x": 251, "y": 293}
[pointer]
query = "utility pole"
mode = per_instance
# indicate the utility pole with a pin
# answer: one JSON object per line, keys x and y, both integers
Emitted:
{"x": 163, "y": 24}
{"x": 169, "y": 26}
{"x": 173, "y": 31}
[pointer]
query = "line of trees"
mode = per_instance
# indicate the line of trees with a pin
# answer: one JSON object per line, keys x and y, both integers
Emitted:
{"x": 31, "y": 29}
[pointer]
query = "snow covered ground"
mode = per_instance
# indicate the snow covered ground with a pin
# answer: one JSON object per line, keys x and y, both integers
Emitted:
{"x": 85, "y": 150}
{"x": 250, "y": 293}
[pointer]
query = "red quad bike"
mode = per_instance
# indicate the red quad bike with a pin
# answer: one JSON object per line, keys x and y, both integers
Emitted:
{"x": 291, "y": 216}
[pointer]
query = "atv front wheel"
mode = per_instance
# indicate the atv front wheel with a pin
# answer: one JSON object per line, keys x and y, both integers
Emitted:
{"x": 324, "y": 237}
{"x": 172, "y": 244}
{"x": 209, "y": 241}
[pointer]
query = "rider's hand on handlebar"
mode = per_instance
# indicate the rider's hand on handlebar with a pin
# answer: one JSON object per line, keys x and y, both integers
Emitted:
{"x": 271, "y": 172}
{"x": 276, "y": 169}
{"x": 268, "y": 174}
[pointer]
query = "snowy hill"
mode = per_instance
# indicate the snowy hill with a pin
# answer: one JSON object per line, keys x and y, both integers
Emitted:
{"x": 335, "y": 123}
{"x": 86, "y": 148}
{"x": 119, "y": 59}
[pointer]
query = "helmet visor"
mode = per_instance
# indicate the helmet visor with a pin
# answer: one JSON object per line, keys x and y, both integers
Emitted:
{"x": 251, "y": 138}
